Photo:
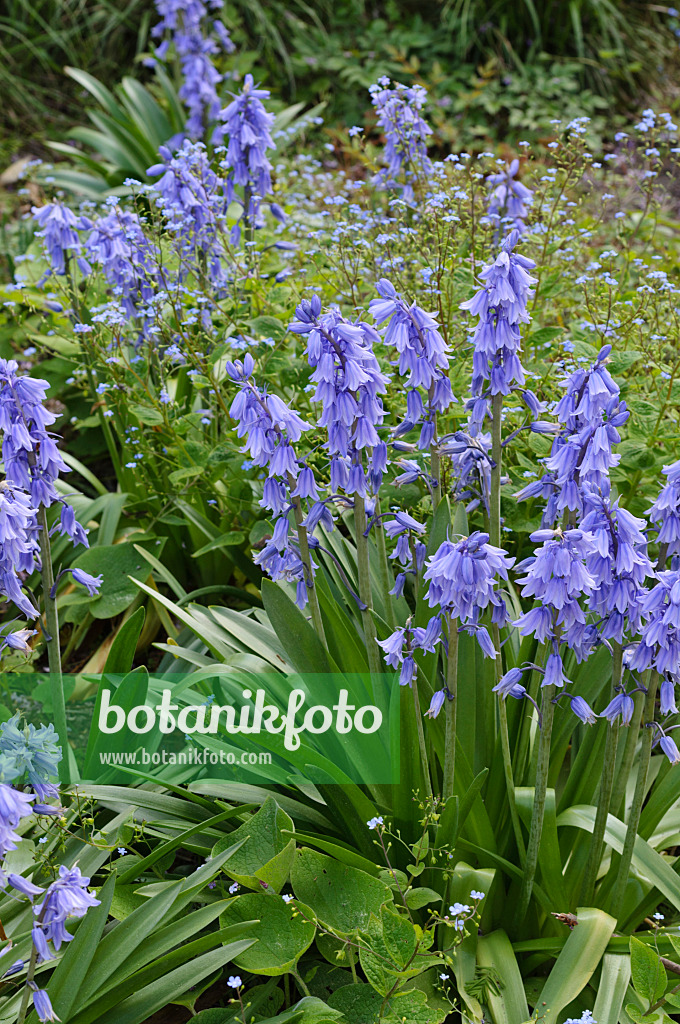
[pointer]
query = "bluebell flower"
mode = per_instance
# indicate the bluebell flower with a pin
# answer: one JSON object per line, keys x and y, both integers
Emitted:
{"x": 471, "y": 466}
{"x": 558, "y": 578}
{"x": 66, "y": 897}
{"x": 422, "y": 359}
{"x": 271, "y": 430}
{"x": 43, "y": 1007}
{"x": 196, "y": 40}
{"x": 91, "y": 583}
{"x": 117, "y": 243}
{"x": 591, "y": 413}
{"x": 621, "y": 704}
{"x": 18, "y": 546}
{"x": 31, "y": 458}
{"x": 665, "y": 512}
{"x": 18, "y": 641}
{"x": 193, "y": 202}
{"x": 436, "y": 704}
{"x": 463, "y": 576}
{"x": 349, "y": 383}
{"x": 247, "y": 124}
{"x": 669, "y": 747}
{"x": 659, "y": 645}
{"x": 619, "y": 565}
{"x": 35, "y": 751}
{"x": 398, "y": 110}
{"x": 582, "y": 710}
{"x": 59, "y": 227}
{"x": 501, "y": 306}
{"x": 510, "y": 199}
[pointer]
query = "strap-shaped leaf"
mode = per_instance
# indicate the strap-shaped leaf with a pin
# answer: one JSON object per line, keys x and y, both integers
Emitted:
{"x": 577, "y": 962}
{"x": 72, "y": 969}
{"x": 645, "y": 859}
{"x": 510, "y": 1005}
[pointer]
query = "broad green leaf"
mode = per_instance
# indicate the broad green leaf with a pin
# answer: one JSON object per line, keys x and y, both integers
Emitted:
{"x": 131, "y": 692}
{"x": 343, "y": 898}
{"x": 120, "y": 657}
{"x": 116, "y": 563}
{"x": 417, "y": 898}
{"x": 361, "y": 1005}
{"x": 298, "y": 638}
{"x": 339, "y": 852}
{"x": 125, "y": 900}
{"x": 577, "y": 962}
{"x": 266, "y": 854}
{"x": 649, "y": 974}
{"x": 284, "y": 932}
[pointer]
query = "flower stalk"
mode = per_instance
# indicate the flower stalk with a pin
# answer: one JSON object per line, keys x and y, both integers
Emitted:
{"x": 638, "y": 798}
{"x": 540, "y": 791}
{"x": 53, "y": 645}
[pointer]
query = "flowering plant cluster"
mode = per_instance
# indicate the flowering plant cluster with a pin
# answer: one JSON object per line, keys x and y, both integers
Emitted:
{"x": 28, "y": 761}
{"x": 410, "y": 399}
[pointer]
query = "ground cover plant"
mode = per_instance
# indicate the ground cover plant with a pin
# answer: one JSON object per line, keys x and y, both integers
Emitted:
{"x": 368, "y": 415}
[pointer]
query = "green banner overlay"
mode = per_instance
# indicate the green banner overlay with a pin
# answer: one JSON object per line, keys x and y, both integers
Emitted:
{"x": 228, "y": 725}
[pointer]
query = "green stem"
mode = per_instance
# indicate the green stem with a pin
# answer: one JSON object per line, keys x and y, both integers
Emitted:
{"x": 435, "y": 473}
{"x": 422, "y": 746}
{"x": 638, "y": 799}
{"x": 52, "y": 642}
{"x": 363, "y": 569}
{"x": 540, "y": 790}
{"x": 496, "y": 455}
{"x": 26, "y": 995}
{"x": 309, "y": 578}
{"x": 509, "y": 778}
{"x": 618, "y": 800}
{"x": 451, "y": 711}
{"x": 385, "y": 575}
{"x": 605, "y": 792}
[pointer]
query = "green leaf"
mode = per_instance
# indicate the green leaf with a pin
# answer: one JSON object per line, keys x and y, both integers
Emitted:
{"x": 646, "y": 860}
{"x": 116, "y": 563}
{"x": 544, "y": 335}
{"x": 577, "y": 962}
{"x": 284, "y": 932}
{"x": 361, "y": 1005}
{"x": 119, "y": 943}
{"x": 649, "y": 974}
{"x": 342, "y": 897}
{"x": 614, "y": 980}
{"x": 417, "y": 898}
{"x": 226, "y": 540}
{"x": 267, "y": 852}
{"x": 121, "y": 654}
{"x": 147, "y": 415}
{"x": 399, "y": 935}
{"x": 297, "y": 637}
{"x": 138, "y": 1007}
{"x": 73, "y": 967}
{"x": 510, "y": 1006}
{"x": 125, "y": 900}
{"x": 130, "y": 692}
